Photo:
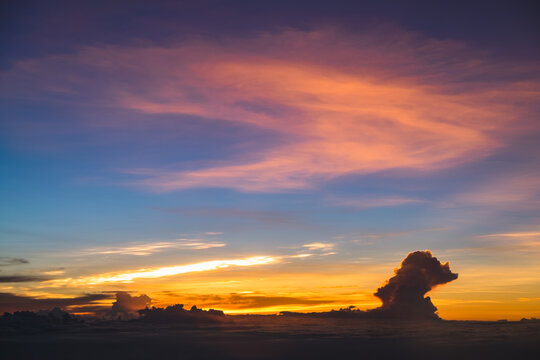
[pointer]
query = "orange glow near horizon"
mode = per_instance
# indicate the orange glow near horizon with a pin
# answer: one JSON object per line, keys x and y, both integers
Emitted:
{"x": 305, "y": 285}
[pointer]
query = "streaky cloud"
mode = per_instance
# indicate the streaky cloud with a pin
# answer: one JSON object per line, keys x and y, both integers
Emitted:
{"x": 12, "y": 302}
{"x": 22, "y": 278}
{"x": 153, "y": 247}
{"x": 8, "y": 261}
{"x": 159, "y": 272}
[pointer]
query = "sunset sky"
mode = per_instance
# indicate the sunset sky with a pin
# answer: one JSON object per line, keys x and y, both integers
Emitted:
{"x": 260, "y": 156}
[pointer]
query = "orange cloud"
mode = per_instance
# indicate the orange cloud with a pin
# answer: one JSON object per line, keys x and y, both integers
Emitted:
{"x": 341, "y": 104}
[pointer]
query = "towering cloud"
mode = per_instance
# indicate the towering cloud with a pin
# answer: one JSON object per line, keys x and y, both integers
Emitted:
{"x": 403, "y": 294}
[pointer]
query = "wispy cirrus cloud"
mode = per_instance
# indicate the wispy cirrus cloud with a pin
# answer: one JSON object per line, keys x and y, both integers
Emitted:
{"x": 514, "y": 191}
{"x": 367, "y": 202}
{"x": 340, "y": 104}
{"x": 527, "y": 234}
{"x": 529, "y": 240}
{"x": 8, "y": 261}
{"x": 152, "y": 247}
{"x": 258, "y": 215}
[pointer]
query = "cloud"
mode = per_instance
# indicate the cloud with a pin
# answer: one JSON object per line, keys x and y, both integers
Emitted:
{"x": 262, "y": 216}
{"x": 8, "y": 261}
{"x": 254, "y": 301}
{"x": 403, "y": 294}
{"x": 153, "y": 273}
{"x": 373, "y": 201}
{"x": 126, "y": 304}
{"x": 515, "y": 235}
{"x": 150, "y": 248}
{"x": 11, "y": 302}
{"x": 57, "y": 271}
{"x": 319, "y": 246}
{"x": 22, "y": 278}
{"x": 528, "y": 241}
{"x": 516, "y": 191}
{"x": 339, "y": 103}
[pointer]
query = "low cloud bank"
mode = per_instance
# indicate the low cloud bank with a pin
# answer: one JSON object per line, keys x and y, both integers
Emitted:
{"x": 11, "y": 302}
{"x": 177, "y": 313}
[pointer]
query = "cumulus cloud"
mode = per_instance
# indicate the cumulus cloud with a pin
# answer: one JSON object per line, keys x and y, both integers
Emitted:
{"x": 127, "y": 305}
{"x": 403, "y": 294}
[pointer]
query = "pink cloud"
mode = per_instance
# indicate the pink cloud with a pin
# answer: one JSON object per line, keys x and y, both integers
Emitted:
{"x": 342, "y": 104}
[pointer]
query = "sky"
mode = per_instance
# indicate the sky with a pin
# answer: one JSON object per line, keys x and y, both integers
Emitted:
{"x": 261, "y": 156}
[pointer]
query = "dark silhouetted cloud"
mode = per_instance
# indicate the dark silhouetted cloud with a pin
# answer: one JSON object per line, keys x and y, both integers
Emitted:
{"x": 126, "y": 304}
{"x": 22, "y": 278}
{"x": 403, "y": 294}
{"x": 10, "y": 302}
{"x": 177, "y": 313}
